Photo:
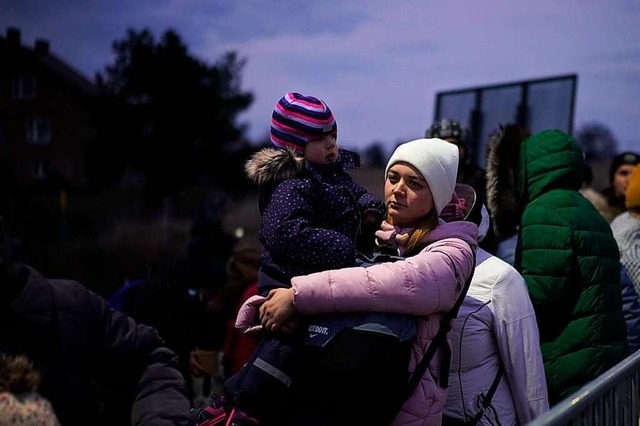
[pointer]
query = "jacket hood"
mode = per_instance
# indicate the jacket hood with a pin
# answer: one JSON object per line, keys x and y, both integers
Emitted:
{"x": 550, "y": 159}
{"x": 521, "y": 167}
{"x": 397, "y": 237}
{"x": 466, "y": 231}
{"x": 270, "y": 166}
{"x": 483, "y": 226}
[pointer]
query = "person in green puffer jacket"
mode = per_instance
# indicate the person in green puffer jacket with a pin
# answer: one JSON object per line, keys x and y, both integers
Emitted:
{"x": 566, "y": 253}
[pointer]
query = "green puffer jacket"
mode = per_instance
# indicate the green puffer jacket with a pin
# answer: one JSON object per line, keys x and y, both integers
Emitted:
{"x": 570, "y": 261}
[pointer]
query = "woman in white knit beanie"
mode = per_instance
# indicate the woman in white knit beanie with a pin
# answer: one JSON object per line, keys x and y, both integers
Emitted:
{"x": 419, "y": 182}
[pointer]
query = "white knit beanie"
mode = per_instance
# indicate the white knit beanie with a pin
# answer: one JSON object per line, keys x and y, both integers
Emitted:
{"x": 437, "y": 162}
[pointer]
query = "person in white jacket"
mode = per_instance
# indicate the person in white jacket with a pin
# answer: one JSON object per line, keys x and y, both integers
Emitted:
{"x": 495, "y": 329}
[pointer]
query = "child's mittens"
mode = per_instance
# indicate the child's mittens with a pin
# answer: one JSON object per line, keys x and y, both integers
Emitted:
{"x": 248, "y": 318}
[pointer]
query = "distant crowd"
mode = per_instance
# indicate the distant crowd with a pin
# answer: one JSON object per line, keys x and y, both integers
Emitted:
{"x": 467, "y": 295}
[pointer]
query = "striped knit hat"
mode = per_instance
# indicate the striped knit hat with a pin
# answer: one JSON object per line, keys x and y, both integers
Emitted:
{"x": 298, "y": 119}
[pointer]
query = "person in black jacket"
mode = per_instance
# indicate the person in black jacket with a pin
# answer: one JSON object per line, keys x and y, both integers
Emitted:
{"x": 80, "y": 345}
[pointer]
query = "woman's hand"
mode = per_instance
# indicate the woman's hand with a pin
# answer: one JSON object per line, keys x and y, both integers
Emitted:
{"x": 276, "y": 313}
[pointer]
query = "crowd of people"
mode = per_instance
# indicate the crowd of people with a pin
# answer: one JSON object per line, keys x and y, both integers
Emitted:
{"x": 543, "y": 268}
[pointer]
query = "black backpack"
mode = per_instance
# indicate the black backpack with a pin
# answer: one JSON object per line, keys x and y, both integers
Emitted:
{"x": 360, "y": 365}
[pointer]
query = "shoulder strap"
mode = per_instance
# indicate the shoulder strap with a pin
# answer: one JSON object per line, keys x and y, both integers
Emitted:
{"x": 487, "y": 399}
{"x": 438, "y": 340}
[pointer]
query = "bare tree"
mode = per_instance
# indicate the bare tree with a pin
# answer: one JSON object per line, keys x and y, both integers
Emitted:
{"x": 183, "y": 113}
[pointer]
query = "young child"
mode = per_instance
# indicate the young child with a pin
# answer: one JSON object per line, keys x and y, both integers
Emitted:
{"x": 314, "y": 217}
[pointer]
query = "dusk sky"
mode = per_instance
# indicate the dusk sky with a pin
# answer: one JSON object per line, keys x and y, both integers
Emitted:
{"x": 378, "y": 64}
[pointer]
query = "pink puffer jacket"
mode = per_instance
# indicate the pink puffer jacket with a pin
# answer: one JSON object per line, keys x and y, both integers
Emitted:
{"x": 426, "y": 284}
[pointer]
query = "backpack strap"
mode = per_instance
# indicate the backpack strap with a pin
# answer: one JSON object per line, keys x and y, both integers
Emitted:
{"x": 487, "y": 399}
{"x": 439, "y": 340}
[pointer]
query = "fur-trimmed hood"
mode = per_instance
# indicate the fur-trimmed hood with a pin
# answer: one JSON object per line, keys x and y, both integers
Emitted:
{"x": 503, "y": 192}
{"x": 270, "y": 166}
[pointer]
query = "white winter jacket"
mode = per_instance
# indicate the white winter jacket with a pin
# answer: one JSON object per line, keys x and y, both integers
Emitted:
{"x": 496, "y": 324}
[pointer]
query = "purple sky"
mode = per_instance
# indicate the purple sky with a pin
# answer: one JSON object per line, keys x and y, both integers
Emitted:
{"x": 378, "y": 64}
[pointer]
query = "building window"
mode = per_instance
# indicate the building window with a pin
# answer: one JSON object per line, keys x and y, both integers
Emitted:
{"x": 38, "y": 131}
{"x": 24, "y": 88}
{"x": 39, "y": 170}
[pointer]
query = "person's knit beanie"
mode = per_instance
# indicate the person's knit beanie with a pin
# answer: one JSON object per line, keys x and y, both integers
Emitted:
{"x": 298, "y": 119}
{"x": 632, "y": 196}
{"x": 448, "y": 129}
{"x": 624, "y": 158}
{"x": 20, "y": 402}
{"x": 437, "y": 162}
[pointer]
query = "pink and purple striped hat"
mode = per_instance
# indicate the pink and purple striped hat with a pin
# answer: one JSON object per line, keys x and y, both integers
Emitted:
{"x": 298, "y": 119}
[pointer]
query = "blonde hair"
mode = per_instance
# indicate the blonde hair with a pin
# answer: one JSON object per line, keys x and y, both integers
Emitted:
{"x": 425, "y": 226}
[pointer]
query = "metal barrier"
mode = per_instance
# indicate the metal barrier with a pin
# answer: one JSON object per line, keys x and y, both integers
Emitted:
{"x": 612, "y": 399}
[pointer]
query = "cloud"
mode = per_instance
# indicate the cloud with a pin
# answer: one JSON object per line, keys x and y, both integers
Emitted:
{"x": 379, "y": 64}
